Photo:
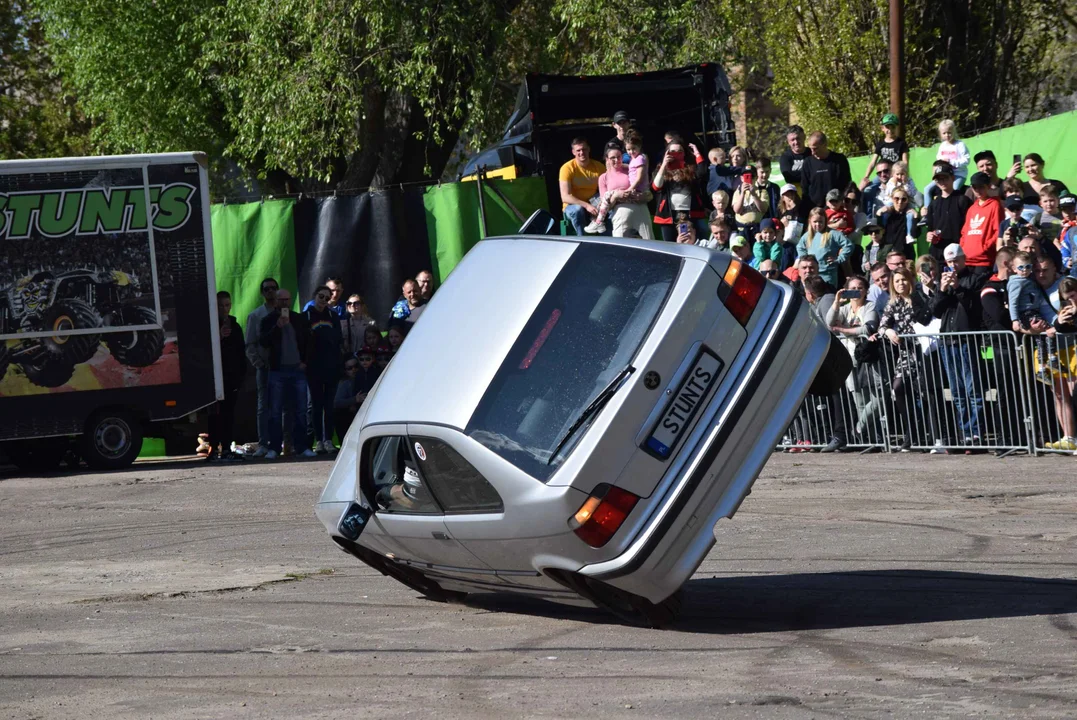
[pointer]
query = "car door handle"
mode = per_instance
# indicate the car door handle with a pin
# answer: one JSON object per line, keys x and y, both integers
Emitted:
{"x": 440, "y": 536}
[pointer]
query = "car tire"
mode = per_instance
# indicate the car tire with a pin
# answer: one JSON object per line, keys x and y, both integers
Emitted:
{"x": 72, "y": 314}
{"x": 135, "y": 348}
{"x": 51, "y": 371}
{"x": 401, "y": 573}
{"x": 112, "y": 439}
{"x": 629, "y": 608}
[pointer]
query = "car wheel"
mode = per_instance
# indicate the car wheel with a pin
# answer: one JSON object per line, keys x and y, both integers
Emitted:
{"x": 402, "y": 573}
{"x": 112, "y": 439}
{"x": 628, "y": 607}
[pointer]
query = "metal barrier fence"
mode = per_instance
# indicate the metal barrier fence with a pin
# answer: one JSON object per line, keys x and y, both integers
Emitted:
{"x": 949, "y": 391}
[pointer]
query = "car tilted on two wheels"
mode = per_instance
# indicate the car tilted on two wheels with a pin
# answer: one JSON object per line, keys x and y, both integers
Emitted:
{"x": 569, "y": 420}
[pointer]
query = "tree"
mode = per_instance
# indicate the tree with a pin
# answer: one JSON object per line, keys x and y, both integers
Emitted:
{"x": 37, "y": 118}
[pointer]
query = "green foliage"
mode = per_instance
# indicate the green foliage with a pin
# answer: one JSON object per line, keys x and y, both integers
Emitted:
{"x": 37, "y": 119}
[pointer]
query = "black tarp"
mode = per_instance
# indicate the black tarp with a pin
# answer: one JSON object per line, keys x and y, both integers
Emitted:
{"x": 373, "y": 241}
{"x": 551, "y": 110}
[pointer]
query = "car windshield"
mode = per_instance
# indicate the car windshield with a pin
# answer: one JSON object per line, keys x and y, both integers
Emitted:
{"x": 585, "y": 331}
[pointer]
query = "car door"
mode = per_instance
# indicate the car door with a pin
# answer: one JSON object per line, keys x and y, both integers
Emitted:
{"x": 408, "y": 521}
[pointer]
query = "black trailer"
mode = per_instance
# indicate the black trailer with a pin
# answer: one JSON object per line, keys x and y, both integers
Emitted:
{"x": 551, "y": 110}
{"x": 108, "y": 313}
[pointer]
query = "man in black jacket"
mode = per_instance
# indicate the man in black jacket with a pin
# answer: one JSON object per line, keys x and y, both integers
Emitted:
{"x": 792, "y": 160}
{"x": 233, "y": 370}
{"x": 823, "y": 171}
{"x": 946, "y": 214}
{"x": 287, "y": 335}
{"x": 957, "y": 305}
{"x": 1004, "y": 367}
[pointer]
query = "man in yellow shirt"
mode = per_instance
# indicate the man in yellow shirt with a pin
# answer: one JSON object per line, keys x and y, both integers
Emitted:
{"x": 578, "y": 180}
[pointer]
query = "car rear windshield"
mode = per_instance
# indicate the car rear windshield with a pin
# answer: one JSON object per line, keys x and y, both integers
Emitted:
{"x": 585, "y": 331}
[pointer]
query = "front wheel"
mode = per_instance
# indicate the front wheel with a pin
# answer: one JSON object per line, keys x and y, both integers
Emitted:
{"x": 112, "y": 440}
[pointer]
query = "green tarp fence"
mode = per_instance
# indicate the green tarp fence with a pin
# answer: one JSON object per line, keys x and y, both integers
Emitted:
{"x": 251, "y": 242}
{"x": 453, "y": 215}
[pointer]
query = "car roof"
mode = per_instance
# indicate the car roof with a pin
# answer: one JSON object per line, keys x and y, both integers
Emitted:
{"x": 462, "y": 337}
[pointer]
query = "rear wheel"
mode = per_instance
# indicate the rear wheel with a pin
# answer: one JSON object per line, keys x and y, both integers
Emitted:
{"x": 402, "y": 573}
{"x": 136, "y": 348}
{"x": 112, "y": 440}
{"x": 629, "y": 608}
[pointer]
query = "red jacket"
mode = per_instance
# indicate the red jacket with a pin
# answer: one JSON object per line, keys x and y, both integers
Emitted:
{"x": 979, "y": 236}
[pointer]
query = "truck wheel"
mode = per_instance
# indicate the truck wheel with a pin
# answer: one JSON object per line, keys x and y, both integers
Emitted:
{"x": 72, "y": 314}
{"x": 112, "y": 440}
{"x": 628, "y": 607}
{"x": 51, "y": 371}
{"x": 135, "y": 348}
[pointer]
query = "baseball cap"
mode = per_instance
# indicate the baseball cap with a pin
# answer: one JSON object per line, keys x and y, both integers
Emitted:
{"x": 890, "y": 119}
{"x": 1067, "y": 200}
{"x": 770, "y": 224}
{"x": 365, "y": 350}
{"x": 787, "y": 188}
{"x": 943, "y": 168}
{"x": 1015, "y": 204}
{"x": 979, "y": 178}
{"x": 834, "y": 194}
{"x": 620, "y": 116}
{"x": 737, "y": 241}
{"x": 870, "y": 228}
{"x": 952, "y": 251}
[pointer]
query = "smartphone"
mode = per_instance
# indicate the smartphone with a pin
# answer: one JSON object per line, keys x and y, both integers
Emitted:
{"x": 1017, "y": 158}
{"x": 683, "y": 228}
{"x": 949, "y": 268}
{"x": 746, "y": 178}
{"x": 284, "y": 312}
{"x": 925, "y": 268}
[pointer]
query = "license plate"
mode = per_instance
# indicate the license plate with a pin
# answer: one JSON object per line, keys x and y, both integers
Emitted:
{"x": 686, "y": 401}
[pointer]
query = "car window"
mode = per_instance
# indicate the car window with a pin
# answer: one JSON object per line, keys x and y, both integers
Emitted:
{"x": 458, "y": 485}
{"x": 584, "y": 332}
{"x": 394, "y": 478}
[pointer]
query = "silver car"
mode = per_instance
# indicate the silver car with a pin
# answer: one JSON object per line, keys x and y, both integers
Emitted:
{"x": 569, "y": 420}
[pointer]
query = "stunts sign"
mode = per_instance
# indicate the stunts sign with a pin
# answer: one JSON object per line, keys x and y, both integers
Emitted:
{"x": 91, "y": 211}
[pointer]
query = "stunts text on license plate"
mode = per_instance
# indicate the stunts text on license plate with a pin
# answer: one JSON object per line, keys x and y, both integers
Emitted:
{"x": 686, "y": 402}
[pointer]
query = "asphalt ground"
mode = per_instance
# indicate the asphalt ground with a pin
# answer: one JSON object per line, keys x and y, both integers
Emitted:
{"x": 846, "y": 586}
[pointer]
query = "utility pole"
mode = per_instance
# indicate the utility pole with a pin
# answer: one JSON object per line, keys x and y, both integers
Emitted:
{"x": 897, "y": 61}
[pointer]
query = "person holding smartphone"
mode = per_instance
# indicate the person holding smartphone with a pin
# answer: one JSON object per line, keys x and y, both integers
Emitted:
{"x": 750, "y": 203}
{"x": 287, "y": 335}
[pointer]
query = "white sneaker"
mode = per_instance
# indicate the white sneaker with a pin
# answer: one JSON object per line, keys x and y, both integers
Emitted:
{"x": 595, "y": 228}
{"x": 271, "y": 455}
{"x": 262, "y": 451}
{"x": 308, "y": 453}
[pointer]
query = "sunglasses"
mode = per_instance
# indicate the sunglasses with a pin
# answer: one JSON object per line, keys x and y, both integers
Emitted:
{"x": 322, "y": 296}
{"x": 355, "y": 303}
{"x": 1019, "y": 268}
{"x": 366, "y": 358}
{"x": 768, "y": 273}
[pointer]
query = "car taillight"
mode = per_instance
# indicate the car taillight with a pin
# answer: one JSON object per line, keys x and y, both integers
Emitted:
{"x": 740, "y": 290}
{"x": 600, "y": 517}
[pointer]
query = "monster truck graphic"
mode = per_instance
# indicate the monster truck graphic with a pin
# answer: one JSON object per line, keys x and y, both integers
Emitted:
{"x": 75, "y": 300}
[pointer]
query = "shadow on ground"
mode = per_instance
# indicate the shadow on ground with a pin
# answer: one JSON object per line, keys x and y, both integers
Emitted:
{"x": 832, "y": 600}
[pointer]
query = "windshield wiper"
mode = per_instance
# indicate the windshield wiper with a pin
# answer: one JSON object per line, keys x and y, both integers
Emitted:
{"x": 588, "y": 412}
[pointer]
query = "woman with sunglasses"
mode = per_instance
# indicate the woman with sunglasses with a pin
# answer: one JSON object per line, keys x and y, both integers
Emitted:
{"x": 323, "y": 366}
{"x": 354, "y": 324}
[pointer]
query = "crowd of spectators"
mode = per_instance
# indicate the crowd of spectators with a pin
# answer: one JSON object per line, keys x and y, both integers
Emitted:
{"x": 313, "y": 368}
{"x": 1001, "y": 256}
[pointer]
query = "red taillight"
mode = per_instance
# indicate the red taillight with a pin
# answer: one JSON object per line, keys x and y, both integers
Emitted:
{"x": 601, "y": 516}
{"x": 740, "y": 290}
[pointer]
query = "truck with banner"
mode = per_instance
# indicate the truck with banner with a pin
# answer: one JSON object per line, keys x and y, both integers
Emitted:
{"x": 108, "y": 313}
